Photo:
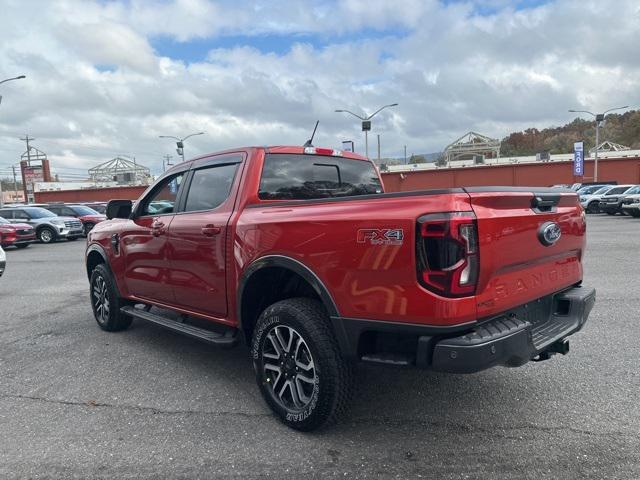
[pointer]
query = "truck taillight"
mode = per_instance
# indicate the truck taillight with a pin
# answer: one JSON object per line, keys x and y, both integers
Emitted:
{"x": 447, "y": 253}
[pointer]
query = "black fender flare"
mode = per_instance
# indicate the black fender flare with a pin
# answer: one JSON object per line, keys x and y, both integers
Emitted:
{"x": 295, "y": 266}
{"x": 94, "y": 247}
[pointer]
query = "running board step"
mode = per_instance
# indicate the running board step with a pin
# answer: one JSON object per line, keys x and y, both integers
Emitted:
{"x": 227, "y": 339}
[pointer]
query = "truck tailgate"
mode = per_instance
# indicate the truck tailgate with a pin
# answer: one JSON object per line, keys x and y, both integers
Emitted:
{"x": 518, "y": 264}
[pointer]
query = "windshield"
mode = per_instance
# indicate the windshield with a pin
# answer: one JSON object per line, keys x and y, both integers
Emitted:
{"x": 305, "y": 177}
{"x": 617, "y": 190}
{"x": 633, "y": 191}
{"x": 589, "y": 189}
{"x": 37, "y": 212}
{"x": 82, "y": 210}
{"x": 602, "y": 190}
{"x": 4, "y": 220}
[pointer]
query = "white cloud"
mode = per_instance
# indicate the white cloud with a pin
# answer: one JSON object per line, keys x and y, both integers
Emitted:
{"x": 97, "y": 88}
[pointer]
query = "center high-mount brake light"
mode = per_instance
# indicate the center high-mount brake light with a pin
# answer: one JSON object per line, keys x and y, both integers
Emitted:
{"x": 322, "y": 151}
{"x": 447, "y": 253}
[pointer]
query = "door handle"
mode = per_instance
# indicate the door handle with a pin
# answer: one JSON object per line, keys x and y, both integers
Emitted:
{"x": 210, "y": 230}
{"x": 157, "y": 228}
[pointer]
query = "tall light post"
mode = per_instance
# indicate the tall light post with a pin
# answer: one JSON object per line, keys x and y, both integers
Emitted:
{"x": 10, "y": 79}
{"x": 366, "y": 123}
{"x": 180, "y": 142}
{"x": 599, "y": 119}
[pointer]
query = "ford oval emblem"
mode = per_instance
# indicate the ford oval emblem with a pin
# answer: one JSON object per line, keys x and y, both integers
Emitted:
{"x": 549, "y": 233}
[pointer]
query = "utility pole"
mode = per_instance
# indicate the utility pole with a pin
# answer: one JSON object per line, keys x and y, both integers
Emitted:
{"x": 15, "y": 183}
{"x": 378, "y": 149}
{"x": 405, "y": 154}
{"x": 27, "y": 139}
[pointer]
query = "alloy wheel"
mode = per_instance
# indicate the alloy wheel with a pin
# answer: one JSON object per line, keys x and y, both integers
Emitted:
{"x": 101, "y": 300}
{"x": 288, "y": 368}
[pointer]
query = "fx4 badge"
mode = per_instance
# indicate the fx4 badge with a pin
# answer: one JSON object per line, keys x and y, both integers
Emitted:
{"x": 381, "y": 236}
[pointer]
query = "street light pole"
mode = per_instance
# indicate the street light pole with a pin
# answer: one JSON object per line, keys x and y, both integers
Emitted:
{"x": 599, "y": 117}
{"x": 10, "y": 79}
{"x": 366, "y": 123}
{"x": 180, "y": 142}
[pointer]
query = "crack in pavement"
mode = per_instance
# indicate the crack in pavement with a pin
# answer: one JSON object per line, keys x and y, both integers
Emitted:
{"x": 154, "y": 411}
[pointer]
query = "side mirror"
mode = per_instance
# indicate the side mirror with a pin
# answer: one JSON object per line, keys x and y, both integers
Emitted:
{"x": 119, "y": 209}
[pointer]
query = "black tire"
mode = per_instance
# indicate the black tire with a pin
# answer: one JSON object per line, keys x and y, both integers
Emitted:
{"x": 593, "y": 207}
{"x": 46, "y": 235}
{"x": 329, "y": 394}
{"x": 87, "y": 227}
{"x": 634, "y": 213}
{"x": 23, "y": 245}
{"x": 106, "y": 301}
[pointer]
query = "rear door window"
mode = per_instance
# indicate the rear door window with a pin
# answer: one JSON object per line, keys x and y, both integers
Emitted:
{"x": 306, "y": 177}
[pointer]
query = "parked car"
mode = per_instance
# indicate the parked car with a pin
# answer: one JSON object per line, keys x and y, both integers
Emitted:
{"x": 3, "y": 261}
{"x": 19, "y": 235}
{"x": 631, "y": 205}
{"x": 48, "y": 225}
{"x": 577, "y": 186}
{"x": 589, "y": 189}
{"x": 591, "y": 202}
{"x": 100, "y": 207}
{"x": 611, "y": 204}
{"x": 88, "y": 216}
{"x": 299, "y": 252}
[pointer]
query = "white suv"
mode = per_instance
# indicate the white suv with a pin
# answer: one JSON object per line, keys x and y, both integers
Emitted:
{"x": 631, "y": 205}
{"x": 591, "y": 203}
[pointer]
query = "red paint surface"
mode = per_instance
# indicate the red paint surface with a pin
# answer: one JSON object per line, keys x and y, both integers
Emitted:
{"x": 366, "y": 280}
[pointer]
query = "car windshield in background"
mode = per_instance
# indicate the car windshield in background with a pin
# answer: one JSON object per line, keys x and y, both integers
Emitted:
{"x": 590, "y": 189}
{"x": 602, "y": 191}
{"x": 37, "y": 212}
{"x": 306, "y": 177}
{"x": 617, "y": 190}
{"x": 633, "y": 191}
{"x": 82, "y": 210}
{"x": 3, "y": 221}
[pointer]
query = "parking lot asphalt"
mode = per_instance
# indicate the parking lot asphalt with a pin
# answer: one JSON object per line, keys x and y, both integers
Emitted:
{"x": 77, "y": 402}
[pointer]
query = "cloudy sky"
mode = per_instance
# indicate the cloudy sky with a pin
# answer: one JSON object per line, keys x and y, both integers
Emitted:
{"x": 105, "y": 78}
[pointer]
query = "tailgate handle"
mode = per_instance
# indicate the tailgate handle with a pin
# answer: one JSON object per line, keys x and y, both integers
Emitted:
{"x": 544, "y": 202}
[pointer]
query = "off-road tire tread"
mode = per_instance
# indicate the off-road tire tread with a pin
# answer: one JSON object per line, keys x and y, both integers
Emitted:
{"x": 317, "y": 322}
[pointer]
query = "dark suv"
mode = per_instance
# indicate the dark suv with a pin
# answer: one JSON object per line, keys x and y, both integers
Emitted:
{"x": 48, "y": 225}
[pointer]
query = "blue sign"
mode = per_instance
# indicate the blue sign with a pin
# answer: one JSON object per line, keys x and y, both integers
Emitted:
{"x": 578, "y": 159}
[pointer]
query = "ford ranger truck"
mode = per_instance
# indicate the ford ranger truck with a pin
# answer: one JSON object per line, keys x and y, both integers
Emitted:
{"x": 300, "y": 253}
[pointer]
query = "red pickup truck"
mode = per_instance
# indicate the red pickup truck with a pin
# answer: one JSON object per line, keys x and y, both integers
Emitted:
{"x": 299, "y": 252}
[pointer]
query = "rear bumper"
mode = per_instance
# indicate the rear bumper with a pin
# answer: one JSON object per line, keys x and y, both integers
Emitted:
{"x": 511, "y": 340}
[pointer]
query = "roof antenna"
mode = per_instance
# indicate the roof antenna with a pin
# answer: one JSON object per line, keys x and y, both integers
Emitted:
{"x": 309, "y": 142}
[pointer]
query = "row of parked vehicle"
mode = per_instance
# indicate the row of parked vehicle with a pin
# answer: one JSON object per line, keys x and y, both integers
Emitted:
{"x": 611, "y": 199}
{"x": 22, "y": 225}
